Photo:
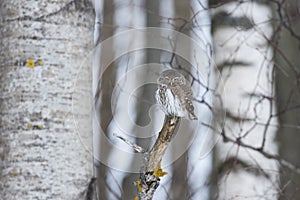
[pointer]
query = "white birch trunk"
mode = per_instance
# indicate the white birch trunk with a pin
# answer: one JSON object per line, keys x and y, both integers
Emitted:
{"x": 43, "y": 155}
{"x": 244, "y": 58}
{"x": 199, "y": 154}
{"x": 116, "y": 115}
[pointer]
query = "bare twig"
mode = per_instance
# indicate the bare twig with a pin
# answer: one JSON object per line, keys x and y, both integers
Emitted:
{"x": 136, "y": 147}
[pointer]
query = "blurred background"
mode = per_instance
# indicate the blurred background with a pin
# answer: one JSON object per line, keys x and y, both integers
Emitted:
{"x": 74, "y": 74}
{"x": 247, "y": 99}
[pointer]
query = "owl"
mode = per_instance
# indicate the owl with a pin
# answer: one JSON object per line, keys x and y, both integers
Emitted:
{"x": 175, "y": 95}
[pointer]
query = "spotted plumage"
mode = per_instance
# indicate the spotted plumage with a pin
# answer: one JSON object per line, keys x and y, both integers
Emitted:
{"x": 175, "y": 95}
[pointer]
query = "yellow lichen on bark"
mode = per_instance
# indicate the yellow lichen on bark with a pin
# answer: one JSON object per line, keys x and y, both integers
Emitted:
{"x": 159, "y": 172}
{"x": 30, "y": 63}
{"x": 136, "y": 198}
{"x": 138, "y": 183}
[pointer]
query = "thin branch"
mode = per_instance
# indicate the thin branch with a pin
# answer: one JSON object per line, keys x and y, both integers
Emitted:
{"x": 136, "y": 147}
{"x": 238, "y": 141}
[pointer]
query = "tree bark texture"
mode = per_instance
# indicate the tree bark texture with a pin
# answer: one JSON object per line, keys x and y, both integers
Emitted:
{"x": 44, "y": 77}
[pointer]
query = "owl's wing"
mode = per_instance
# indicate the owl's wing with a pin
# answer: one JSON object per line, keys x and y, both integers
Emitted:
{"x": 188, "y": 101}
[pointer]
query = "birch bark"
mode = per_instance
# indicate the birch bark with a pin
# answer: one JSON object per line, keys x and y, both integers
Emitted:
{"x": 244, "y": 58}
{"x": 43, "y": 46}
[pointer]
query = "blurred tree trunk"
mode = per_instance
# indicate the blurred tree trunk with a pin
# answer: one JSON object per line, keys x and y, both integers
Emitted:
{"x": 43, "y": 46}
{"x": 199, "y": 159}
{"x": 145, "y": 94}
{"x": 287, "y": 61}
{"x": 179, "y": 184}
{"x": 104, "y": 29}
{"x": 109, "y": 97}
{"x": 244, "y": 59}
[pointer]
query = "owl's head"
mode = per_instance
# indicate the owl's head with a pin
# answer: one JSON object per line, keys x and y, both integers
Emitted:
{"x": 171, "y": 77}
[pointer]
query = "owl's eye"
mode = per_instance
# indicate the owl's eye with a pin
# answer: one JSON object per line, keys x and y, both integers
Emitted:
{"x": 178, "y": 80}
{"x": 167, "y": 79}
